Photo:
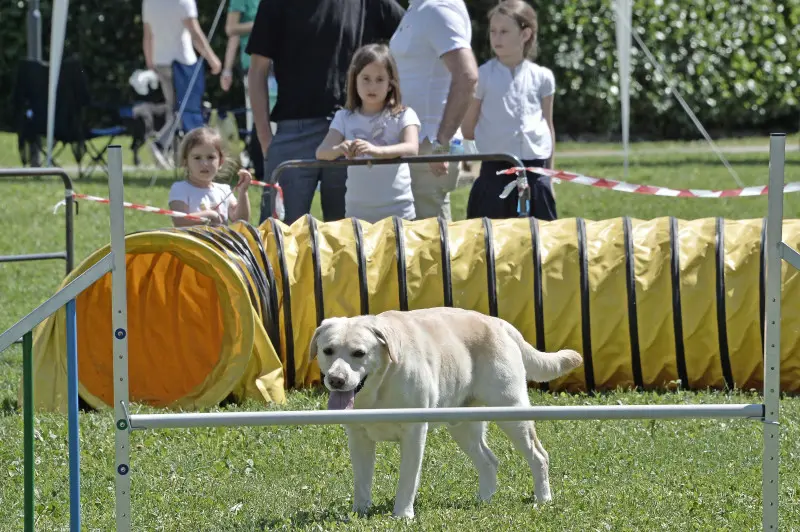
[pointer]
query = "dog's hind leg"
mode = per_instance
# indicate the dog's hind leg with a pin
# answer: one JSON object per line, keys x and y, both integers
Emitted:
{"x": 471, "y": 438}
{"x": 412, "y": 447}
{"x": 523, "y": 435}
{"x": 362, "y": 457}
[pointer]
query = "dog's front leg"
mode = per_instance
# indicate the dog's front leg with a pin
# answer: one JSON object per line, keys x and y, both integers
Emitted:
{"x": 362, "y": 457}
{"x": 412, "y": 447}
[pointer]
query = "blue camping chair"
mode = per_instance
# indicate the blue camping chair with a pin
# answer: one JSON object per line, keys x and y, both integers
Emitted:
{"x": 71, "y": 128}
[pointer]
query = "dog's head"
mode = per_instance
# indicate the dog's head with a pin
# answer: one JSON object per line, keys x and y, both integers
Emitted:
{"x": 349, "y": 349}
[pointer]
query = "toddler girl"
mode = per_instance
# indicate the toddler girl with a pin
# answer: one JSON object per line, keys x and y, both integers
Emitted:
{"x": 198, "y": 194}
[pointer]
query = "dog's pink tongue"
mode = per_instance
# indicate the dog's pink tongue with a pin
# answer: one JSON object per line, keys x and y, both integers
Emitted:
{"x": 341, "y": 400}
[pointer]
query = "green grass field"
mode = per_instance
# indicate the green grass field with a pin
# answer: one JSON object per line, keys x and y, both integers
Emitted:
{"x": 605, "y": 475}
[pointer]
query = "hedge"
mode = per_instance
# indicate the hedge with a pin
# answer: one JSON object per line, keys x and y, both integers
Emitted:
{"x": 735, "y": 62}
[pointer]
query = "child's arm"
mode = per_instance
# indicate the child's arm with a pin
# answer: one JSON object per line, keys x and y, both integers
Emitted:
{"x": 471, "y": 119}
{"x": 547, "y": 113}
{"x": 181, "y": 206}
{"x": 333, "y": 146}
{"x": 240, "y": 206}
{"x": 408, "y": 145}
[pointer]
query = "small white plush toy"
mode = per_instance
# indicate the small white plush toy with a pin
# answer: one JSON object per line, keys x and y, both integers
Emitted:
{"x": 143, "y": 81}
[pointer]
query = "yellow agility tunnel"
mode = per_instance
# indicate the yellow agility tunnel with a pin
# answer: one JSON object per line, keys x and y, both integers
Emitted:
{"x": 228, "y": 313}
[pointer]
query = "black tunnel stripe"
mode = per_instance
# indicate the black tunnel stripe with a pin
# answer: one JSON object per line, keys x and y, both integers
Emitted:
{"x": 319, "y": 300}
{"x": 400, "y": 244}
{"x": 206, "y": 237}
{"x": 273, "y": 328}
{"x": 762, "y": 282}
{"x": 677, "y": 316}
{"x": 633, "y": 324}
{"x": 722, "y": 324}
{"x": 538, "y": 293}
{"x": 363, "y": 288}
{"x": 586, "y": 323}
{"x": 491, "y": 274}
{"x": 287, "y": 303}
{"x": 265, "y": 283}
{"x": 444, "y": 240}
{"x": 239, "y": 244}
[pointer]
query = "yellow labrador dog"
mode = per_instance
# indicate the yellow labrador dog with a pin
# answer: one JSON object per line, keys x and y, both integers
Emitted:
{"x": 433, "y": 358}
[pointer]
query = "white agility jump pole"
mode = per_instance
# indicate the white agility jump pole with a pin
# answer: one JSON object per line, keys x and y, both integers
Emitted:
{"x": 767, "y": 412}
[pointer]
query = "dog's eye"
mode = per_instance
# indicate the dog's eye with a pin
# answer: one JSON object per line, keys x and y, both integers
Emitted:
{"x": 359, "y": 353}
{"x": 328, "y": 351}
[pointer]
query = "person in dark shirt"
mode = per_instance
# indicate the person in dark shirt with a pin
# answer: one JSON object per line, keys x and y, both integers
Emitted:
{"x": 311, "y": 43}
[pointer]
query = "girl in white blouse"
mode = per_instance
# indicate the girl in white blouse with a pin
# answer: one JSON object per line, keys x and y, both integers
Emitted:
{"x": 512, "y": 113}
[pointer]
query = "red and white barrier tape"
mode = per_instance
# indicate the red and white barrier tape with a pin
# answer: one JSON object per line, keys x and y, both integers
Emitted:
{"x": 167, "y": 212}
{"x": 621, "y": 186}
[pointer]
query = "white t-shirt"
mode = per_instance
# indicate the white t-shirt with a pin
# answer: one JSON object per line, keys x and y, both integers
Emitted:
{"x": 203, "y": 199}
{"x": 511, "y": 117}
{"x": 428, "y": 30}
{"x": 384, "y": 190}
{"x": 171, "y": 39}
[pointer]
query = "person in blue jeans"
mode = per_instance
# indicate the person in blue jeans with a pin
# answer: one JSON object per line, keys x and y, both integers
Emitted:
{"x": 310, "y": 44}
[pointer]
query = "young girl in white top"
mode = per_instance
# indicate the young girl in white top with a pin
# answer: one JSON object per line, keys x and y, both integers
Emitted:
{"x": 198, "y": 194}
{"x": 512, "y": 112}
{"x": 374, "y": 124}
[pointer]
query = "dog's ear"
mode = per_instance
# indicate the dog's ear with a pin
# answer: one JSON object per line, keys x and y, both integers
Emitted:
{"x": 387, "y": 335}
{"x": 312, "y": 348}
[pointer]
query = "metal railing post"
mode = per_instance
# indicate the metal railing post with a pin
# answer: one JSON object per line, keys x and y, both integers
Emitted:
{"x": 316, "y": 163}
{"x": 69, "y": 254}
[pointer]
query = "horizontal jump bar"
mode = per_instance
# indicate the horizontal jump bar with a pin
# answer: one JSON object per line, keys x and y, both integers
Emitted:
{"x": 34, "y": 256}
{"x": 418, "y": 415}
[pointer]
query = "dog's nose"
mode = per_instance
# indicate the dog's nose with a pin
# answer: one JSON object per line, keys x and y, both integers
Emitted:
{"x": 335, "y": 382}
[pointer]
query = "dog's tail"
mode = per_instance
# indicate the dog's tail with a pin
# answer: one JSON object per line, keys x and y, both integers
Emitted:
{"x": 544, "y": 367}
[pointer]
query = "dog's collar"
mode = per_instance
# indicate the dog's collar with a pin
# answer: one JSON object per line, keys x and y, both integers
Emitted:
{"x": 360, "y": 385}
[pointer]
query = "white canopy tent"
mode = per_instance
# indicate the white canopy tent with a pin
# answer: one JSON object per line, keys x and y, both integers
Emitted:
{"x": 624, "y": 26}
{"x": 58, "y": 31}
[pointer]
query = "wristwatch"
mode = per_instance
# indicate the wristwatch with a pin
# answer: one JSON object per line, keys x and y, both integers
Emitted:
{"x": 438, "y": 148}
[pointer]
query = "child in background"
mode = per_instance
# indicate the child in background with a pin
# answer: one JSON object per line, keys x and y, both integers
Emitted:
{"x": 512, "y": 112}
{"x": 374, "y": 124}
{"x": 201, "y": 155}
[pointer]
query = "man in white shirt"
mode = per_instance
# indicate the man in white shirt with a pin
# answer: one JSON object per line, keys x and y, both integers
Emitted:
{"x": 438, "y": 74}
{"x": 170, "y": 30}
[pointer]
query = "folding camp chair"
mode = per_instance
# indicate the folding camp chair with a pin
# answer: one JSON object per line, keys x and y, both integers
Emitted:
{"x": 72, "y": 100}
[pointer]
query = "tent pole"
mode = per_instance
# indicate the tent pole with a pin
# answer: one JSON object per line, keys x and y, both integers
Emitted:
{"x": 34, "y": 31}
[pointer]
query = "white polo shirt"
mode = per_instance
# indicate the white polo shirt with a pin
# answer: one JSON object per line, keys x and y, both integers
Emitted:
{"x": 511, "y": 117}
{"x": 171, "y": 39}
{"x": 428, "y": 30}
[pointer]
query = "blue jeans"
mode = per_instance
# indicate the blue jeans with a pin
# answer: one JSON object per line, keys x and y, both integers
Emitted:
{"x": 299, "y": 139}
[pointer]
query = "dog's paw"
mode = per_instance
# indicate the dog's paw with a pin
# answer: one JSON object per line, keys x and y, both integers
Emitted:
{"x": 403, "y": 513}
{"x": 361, "y": 508}
{"x": 485, "y": 497}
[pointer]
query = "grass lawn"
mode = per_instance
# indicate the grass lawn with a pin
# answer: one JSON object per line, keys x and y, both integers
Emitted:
{"x": 605, "y": 475}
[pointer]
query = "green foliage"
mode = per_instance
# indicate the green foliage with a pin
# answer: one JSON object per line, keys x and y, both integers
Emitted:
{"x": 733, "y": 62}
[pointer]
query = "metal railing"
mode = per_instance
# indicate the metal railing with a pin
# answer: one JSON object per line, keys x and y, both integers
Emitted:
{"x": 523, "y": 202}
{"x": 69, "y": 254}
